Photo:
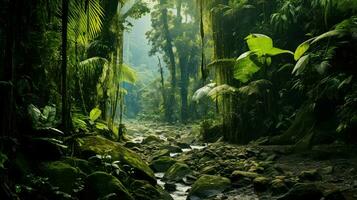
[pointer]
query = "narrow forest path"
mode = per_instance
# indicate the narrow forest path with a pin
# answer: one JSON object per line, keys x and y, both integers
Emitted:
{"x": 188, "y": 167}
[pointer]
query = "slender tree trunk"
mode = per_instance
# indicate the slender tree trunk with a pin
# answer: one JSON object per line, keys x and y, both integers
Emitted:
{"x": 184, "y": 88}
{"x": 163, "y": 91}
{"x": 171, "y": 56}
{"x": 65, "y": 109}
{"x": 8, "y": 76}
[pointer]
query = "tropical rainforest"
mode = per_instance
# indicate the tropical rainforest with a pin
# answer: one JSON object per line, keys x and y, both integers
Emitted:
{"x": 178, "y": 99}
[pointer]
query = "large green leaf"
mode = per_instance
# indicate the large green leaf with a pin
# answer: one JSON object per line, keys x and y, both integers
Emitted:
{"x": 95, "y": 114}
{"x": 244, "y": 69}
{"x": 259, "y": 42}
{"x": 276, "y": 51}
{"x": 301, "y": 64}
{"x": 301, "y": 49}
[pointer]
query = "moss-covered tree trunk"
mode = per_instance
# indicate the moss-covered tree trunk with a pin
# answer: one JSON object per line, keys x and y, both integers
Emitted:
{"x": 170, "y": 54}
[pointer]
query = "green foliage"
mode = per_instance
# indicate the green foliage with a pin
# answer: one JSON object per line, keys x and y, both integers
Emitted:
{"x": 261, "y": 49}
{"x": 301, "y": 64}
{"x": 85, "y": 21}
{"x": 44, "y": 119}
{"x": 95, "y": 114}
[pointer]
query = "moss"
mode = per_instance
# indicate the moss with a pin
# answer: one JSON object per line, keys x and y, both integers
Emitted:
{"x": 103, "y": 146}
{"x": 177, "y": 172}
{"x": 208, "y": 186}
{"x": 81, "y": 164}
{"x": 101, "y": 184}
{"x": 61, "y": 174}
{"x": 162, "y": 164}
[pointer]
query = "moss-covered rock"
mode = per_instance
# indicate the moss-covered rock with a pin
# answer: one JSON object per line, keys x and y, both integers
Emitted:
{"x": 152, "y": 139}
{"x": 81, "y": 164}
{"x": 102, "y": 146}
{"x": 61, "y": 175}
{"x": 101, "y": 184}
{"x": 207, "y": 186}
{"x": 160, "y": 153}
{"x": 177, "y": 172}
{"x": 145, "y": 191}
{"x": 162, "y": 164}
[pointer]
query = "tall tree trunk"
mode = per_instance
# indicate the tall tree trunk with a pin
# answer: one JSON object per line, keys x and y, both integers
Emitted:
{"x": 184, "y": 87}
{"x": 8, "y": 75}
{"x": 65, "y": 108}
{"x": 171, "y": 56}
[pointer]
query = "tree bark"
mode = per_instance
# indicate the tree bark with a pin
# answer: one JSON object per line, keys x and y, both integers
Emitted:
{"x": 171, "y": 56}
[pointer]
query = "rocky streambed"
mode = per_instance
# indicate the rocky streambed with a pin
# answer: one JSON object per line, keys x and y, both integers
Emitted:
{"x": 189, "y": 169}
{"x": 161, "y": 161}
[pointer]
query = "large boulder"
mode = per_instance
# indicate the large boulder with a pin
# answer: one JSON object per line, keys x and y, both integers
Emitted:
{"x": 177, "y": 172}
{"x": 145, "y": 191}
{"x": 102, "y": 146}
{"x": 61, "y": 175}
{"x": 162, "y": 164}
{"x": 207, "y": 186}
{"x": 102, "y": 185}
{"x": 81, "y": 164}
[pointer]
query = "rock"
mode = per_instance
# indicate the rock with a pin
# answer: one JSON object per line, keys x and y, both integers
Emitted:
{"x": 131, "y": 144}
{"x": 278, "y": 187}
{"x": 143, "y": 190}
{"x": 100, "y": 184}
{"x": 310, "y": 175}
{"x": 103, "y": 146}
{"x": 81, "y": 164}
{"x": 237, "y": 175}
{"x": 207, "y": 186}
{"x": 61, "y": 175}
{"x": 302, "y": 191}
{"x": 162, "y": 164}
{"x": 173, "y": 148}
{"x": 170, "y": 187}
{"x": 152, "y": 139}
{"x": 242, "y": 178}
{"x": 211, "y": 170}
{"x": 183, "y": 145}
{"x": 160, "y": 153}
{"x": 177, "y": 172}
{"x": 261, "y": 183}
{"x": 326, "y": 170}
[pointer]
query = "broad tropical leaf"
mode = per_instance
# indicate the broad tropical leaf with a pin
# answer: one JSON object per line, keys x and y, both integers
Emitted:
{"x": 244, "y": 69}
{"x": 255, "y": 87}
{"x": 302, "y": 48}
{"x": 259, "y": 42}
{"x": 95, "y": 114}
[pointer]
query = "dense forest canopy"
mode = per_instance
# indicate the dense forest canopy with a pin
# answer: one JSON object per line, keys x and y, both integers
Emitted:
{"x": 178, "y": 99}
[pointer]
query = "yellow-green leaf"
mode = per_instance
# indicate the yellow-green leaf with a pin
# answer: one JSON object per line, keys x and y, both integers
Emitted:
{"x": 95, "y": 114}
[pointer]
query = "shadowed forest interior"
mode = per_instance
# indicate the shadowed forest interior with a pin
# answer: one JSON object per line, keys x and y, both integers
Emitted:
{"x": 178, "y": 99}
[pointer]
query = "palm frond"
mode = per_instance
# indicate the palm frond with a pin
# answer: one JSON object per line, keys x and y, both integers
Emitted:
{"x": 85, "y": 21}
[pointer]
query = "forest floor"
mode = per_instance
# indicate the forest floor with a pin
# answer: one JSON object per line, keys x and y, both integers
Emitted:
{"x": 253, "y": 171}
